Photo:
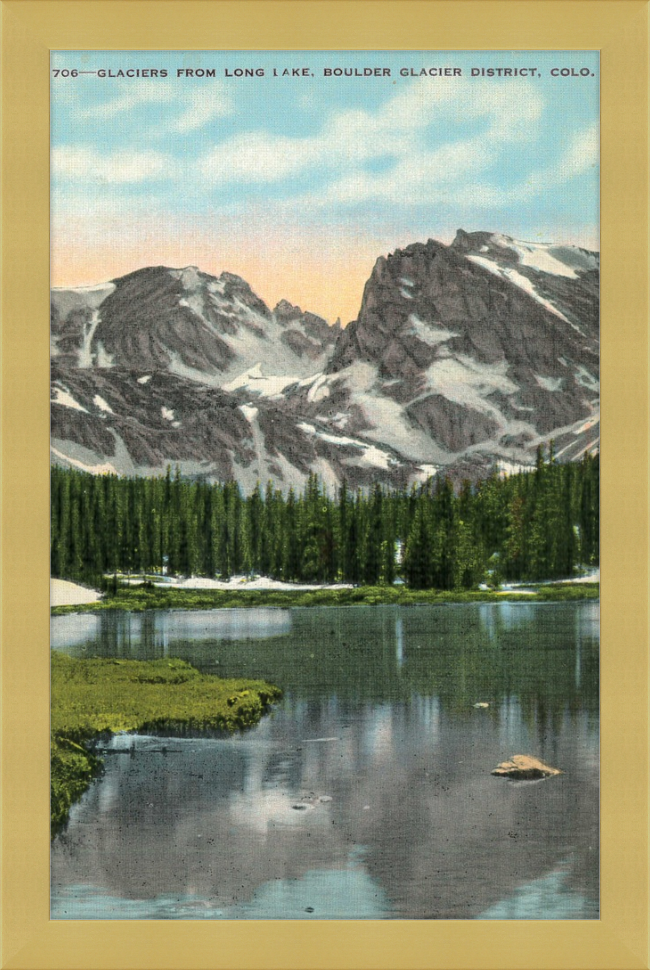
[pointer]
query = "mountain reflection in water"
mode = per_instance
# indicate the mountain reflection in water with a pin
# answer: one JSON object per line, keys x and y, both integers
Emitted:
{"x": 367, "y": 793}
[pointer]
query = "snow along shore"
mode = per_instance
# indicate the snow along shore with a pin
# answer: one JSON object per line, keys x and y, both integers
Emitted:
{"x": 242, "y": 583}
{"x": 63, "y": 593}
{"x": 592, "y": 577}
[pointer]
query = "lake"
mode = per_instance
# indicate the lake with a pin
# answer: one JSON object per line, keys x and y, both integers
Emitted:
{"x": 367, "y": 793}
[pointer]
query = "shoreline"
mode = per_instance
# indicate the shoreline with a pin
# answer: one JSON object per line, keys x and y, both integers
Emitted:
{"x": 135, "y": 599}
{"x": 142, "y": 695}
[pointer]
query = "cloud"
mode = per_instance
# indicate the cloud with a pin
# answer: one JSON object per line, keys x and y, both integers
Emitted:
{"x": 410, "y": 140}
{"x": 78, "y": 163}
{"x": 581, "y": 155}
{"x": 258, "y": 157}
{"x": 449, "y": 141}
{"x": 203, "y": 104}
{"x": 130, "y": 97}
{"x": 199, "y": 104}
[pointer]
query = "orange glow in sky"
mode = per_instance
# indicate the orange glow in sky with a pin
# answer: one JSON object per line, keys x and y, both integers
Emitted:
{"x": 317, "y": 275}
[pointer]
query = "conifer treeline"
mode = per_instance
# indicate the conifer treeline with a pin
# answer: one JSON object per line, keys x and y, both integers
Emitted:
{"x": 537, "y": 525}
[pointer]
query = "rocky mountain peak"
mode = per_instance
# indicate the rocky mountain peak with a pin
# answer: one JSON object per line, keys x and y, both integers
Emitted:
{"x": 307, "y": 334}
{"x": 462, "y": 356}
{"x": 283, "y": 309}
{"x": 467, "y": 242}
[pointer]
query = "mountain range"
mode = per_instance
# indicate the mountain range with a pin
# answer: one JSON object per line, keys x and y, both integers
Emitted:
{"x": 463, "y": 357}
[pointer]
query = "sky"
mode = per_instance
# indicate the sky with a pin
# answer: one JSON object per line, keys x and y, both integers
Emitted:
{"x": 298, "y": 183}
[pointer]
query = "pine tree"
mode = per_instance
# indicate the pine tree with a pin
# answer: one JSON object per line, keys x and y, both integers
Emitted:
{"x": 373, "y": 539}
{"x": 526, "y": 526}
{"x": 418, "y": 565}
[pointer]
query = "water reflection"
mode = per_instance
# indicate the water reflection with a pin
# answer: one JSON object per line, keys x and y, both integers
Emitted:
{"x": 347, "y": 893}
{"x": 151, "y": 633}
{"x": 368, "y": 792}
{"x": 547, "y": 898}
{"x": 546, "y": 655}
{"x": 399, "y": 641}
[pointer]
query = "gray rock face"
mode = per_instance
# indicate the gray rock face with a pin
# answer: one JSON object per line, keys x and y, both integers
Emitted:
{"x": 186, "y": 322}
{"x": 431, "y": 301}
{"x": 489, "y": 345}
{"x": 462, "y": 357}
{"x": 305, "y": 333}
{"x": 119, "y": 420}
{"x": 453, "y": 425}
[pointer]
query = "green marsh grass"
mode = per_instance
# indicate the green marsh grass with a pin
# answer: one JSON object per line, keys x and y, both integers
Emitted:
{"x": 94, "y": 698}
{"x": 148, "y": 597}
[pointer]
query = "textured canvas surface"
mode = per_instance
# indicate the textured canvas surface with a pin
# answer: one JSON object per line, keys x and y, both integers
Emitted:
{"x": 325, "y": 391}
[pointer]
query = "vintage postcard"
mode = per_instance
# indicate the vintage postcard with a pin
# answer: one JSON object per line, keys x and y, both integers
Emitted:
{"x": 325, "y": 562}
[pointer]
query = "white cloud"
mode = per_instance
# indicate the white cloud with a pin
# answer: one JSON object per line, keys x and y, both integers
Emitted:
{"x": 199, "y": 104}
{"x": 79, "y": 163}
{"x": 130, "y": 97}
{"x": 581, "y": 155}
{"x": 258, "y": 157}
{"x": 402, "y": 134}
{"x": 433, "y": 141}
{"x": 203, "y": 103}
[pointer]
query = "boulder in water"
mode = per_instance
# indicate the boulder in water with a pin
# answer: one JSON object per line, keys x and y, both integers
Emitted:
{"x": 523, "y": 767}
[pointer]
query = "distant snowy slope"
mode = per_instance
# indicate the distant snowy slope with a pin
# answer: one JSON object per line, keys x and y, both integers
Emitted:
{"x": 464, "y": 357}
{"x": 205, "y": 328}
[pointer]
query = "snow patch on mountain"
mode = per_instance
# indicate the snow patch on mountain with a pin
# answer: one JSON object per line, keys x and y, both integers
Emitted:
{"x": 319, "y": 388}
{"x": 85, "y": 353}
{"x": 338, "y": 420}
{"x": 376, "y": 458}
{"x": 587, "y": 425}
{"x": 67, "y": 400}
{"x": 193, "y": 302}
{"x": 425, "y": 472}
{"x": 101, "y": 469}
{"x": 387, "y": 421}
{"x": 429, "y": 333}
{"x": 549, "y": 383}
{"x": 548, "y": 258}
{"x": 68, "y": 298}
{"x": 100, "y": 403}
{"x": 586, "y": 379}
{"x": 255, "y": 381}
{"x": 249, "y": 413}
{"x": 510, "y": 274}
{"x": 369, "y": 455}
{"x": 469, "y": 382}
{"x": 102, "y": 358}
{"x": 512, "y": 468}
{"x": 97, "y": 289}
{"x": 591, "y": 447}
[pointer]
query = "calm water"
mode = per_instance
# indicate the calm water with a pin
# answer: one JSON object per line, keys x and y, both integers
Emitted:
{"x": 367, "y": 793}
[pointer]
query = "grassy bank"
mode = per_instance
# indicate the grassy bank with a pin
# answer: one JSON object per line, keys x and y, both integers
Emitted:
{"x": 138, "y": 598}
{"x": 92, "y": 698}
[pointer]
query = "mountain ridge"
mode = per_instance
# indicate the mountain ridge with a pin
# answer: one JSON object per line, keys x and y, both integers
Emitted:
{"x": 463, "y": 357}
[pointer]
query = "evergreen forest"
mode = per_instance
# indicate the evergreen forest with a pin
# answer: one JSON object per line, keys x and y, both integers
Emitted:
{"x": 535, "y": 525}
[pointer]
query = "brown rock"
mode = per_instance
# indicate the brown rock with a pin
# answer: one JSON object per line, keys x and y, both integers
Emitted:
{"x": 523, "y": 767}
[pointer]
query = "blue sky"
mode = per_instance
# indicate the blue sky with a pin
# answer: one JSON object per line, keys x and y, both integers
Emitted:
{"x": 298, "y": 184}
